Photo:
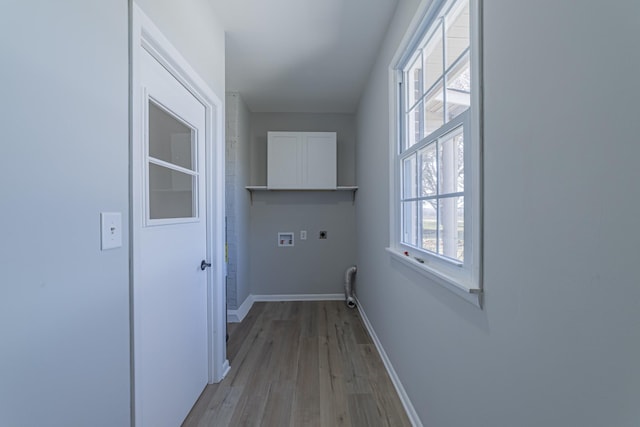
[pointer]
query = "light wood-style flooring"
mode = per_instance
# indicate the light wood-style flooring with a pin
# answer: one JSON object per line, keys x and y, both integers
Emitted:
{"x": 299, "y": 364}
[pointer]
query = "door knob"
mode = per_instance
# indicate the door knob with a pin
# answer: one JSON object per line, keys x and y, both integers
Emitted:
{"x": 204, "y": 264}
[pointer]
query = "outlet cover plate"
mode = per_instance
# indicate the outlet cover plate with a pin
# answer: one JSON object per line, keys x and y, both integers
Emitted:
{"x": 285, "y": 239}
{"x": 110, "y": 230}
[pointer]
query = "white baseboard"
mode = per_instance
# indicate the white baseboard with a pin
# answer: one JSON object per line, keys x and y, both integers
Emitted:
{"x": 236, "y": 316}
{"x": 404, "y": 398}
{"x": 225, "y": 369}
{"x": 299, "y": 297}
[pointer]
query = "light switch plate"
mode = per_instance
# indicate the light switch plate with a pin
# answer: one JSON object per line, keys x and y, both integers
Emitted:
{"x": 110, "y": 230}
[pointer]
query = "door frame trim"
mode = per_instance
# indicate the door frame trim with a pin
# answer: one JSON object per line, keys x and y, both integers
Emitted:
{"x": 145, "y": 35}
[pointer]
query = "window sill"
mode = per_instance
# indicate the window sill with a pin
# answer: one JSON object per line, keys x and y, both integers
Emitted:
{"x": 469, "y": 294}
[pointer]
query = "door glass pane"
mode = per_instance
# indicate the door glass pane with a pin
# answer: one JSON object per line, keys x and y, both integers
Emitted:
{"x": 171, "y": 193}
{"x": 451, "y": 160}
{"x": 457, "y": 31}
{"x": 170, "y": 139}
{"x": 429, "y": 225}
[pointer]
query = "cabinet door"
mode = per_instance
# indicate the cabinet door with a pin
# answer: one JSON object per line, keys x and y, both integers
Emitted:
{"x": 284, "y": 165}
{"x": 319, "y": 169}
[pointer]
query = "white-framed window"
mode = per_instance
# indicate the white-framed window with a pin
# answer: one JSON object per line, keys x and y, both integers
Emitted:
{"x": 436, "y": 150}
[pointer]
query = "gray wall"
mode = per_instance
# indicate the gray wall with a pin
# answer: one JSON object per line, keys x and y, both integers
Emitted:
{"x": 195, "y": 31}
{"x": 312, "y": 266}
{"x": 558, "y": 341}
{"x": 64, "y": 304}
{"x": 237, "y": 199}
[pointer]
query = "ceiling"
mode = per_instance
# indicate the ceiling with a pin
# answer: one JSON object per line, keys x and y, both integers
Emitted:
{"x": 303, "y": 56}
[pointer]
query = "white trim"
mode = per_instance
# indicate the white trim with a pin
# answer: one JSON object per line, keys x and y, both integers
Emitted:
{"x": 402, "y": 394}
{"x": 469, "y": 294}
{"x": 298, "y": 297}
{"x": 145, "y": 35}
{"x": 236, "y": 316}
{"x": 226, "y": 367}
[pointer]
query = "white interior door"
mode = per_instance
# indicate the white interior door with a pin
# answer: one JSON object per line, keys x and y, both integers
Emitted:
{"x": 171, "y": 362}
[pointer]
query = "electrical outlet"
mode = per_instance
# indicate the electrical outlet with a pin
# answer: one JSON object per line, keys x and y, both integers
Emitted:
{"x": 322, "y": 235}
{"x": 303, "y": 235}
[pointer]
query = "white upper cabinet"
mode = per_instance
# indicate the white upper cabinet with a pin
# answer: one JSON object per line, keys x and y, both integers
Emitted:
{"x": 301, "y": 160}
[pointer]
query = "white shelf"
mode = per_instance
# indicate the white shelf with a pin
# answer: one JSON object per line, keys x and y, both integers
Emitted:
{"x": 253, "y": 188}
{"x": 265, "y": 188}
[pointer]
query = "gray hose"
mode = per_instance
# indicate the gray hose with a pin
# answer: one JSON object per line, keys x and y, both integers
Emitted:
{"x": 348, "y": 286}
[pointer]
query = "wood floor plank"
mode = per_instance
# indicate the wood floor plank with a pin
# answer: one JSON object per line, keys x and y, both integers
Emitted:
{"x": 221, "y": 407}
{"x": 199, "y": 409}
{"x": 277, "y": 410}
{"x": 363, "y": 410}
{"x": 237, "y": 334}
{"x": 305, "y": 410}
{"x": 333, "y": 397}
{"x": 300, "y": 364}
{"x": 247, "y": 358}
{"x": 288, "y": 342}
{"x": 256, "y": 380}
{"x": 355, "y": 371}
{"x": 291, "y": 311}
{"x": 309, "y": 319}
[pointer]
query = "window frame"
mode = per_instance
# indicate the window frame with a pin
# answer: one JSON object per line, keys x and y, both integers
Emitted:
{"x": 463, "y": 278}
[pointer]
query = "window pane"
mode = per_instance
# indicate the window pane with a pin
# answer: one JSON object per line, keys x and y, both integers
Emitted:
{"x": 409, "y": 178}
{"x": 429, "y": 223}
{"x": 428, "y": 171}
{"x": 414, "y": 119}
{"x": 451, "y": 161}
{"x": 410, "y": 223}
{"x": 433, "y": 110}
{"x": 457, "y": 30}
{"x": 452, "y": 227}
{"x": 459, "y": 89}
{"x": 433, "y": 52}
{"x": 169, "y": 139}
{"x": 171, "y": 193}
{"x": 413, "y": 77}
